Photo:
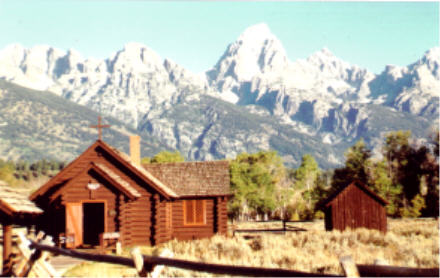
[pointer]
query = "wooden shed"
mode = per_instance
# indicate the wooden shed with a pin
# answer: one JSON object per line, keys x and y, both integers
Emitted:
{"x": 15, "y": 209}
{"x": 105, "y": 194}
{"x": 355, "y": 206}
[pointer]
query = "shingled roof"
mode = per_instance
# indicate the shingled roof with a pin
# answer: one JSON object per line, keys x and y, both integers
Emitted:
{"x": 157, "y": 181}
{"x": 15, "y": 201}
{"x": 208, "y": 178}
{"x": 118, "y": 179}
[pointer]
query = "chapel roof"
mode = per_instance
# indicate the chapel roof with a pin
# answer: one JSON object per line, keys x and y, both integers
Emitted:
{"x": 201, "y": 178}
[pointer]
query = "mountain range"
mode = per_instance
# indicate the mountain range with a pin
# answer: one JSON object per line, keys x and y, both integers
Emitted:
{"x": 254, "y": 98}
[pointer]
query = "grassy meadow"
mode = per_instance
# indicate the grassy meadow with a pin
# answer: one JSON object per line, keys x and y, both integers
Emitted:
{"x": 410, "y": 243}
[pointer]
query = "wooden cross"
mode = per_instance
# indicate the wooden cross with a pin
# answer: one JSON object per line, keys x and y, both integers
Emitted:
{"x": 99, "y": 126}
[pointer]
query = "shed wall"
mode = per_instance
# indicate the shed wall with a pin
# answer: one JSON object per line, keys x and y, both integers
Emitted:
{"x": 353, "y": 208}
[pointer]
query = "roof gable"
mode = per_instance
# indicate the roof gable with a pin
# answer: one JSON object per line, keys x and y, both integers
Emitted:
{"x": 60, "y": 177}
{"x": 138, "y": 169}
{"x": 360, "y": 185}
{"x": 208, "y": 178}
{"x": 105, "y": 173}
{"x": 117, "y": 155}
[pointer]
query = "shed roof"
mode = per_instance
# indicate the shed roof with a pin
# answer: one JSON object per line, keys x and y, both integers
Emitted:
{"x": 208, "y": 178}
{"x": 15, "y": 201}
{"x": 360, "y": 185}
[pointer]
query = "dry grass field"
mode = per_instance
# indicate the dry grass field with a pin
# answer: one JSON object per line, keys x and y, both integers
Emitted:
{"x": 411, "y": 243}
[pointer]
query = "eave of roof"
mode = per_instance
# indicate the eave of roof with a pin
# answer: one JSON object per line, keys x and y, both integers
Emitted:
{"x": 139, "y": 170}
{"x": 117, "y": 179}
{"x": 57, "y": 178}
{"x": 14, "y": 201}
{"x": 326, "y": 202}
{"x": 106, "y": 174}
{"x": 121, "y": 157}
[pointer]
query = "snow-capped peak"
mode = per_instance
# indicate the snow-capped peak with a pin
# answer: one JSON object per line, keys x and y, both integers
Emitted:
{"x": 432, "y": 54}
{"x": 256, "y": 33}
{"x": 136, "y": 57}
{"x": 325, "y": 59}
{"x": 134, "y": 46}
{"x": 323, "y": 55}
{"x": 255, "y": 51}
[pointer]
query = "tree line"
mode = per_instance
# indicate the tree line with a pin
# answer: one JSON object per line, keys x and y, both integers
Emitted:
{"x": 22, "y": 171}
{"x": 406, "y": 175}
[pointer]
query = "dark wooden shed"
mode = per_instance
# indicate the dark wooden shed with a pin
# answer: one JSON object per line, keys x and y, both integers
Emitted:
{"x": 15, "y": 209}
{"x": 355, "y": 206}
{"x": 106, "y": 194}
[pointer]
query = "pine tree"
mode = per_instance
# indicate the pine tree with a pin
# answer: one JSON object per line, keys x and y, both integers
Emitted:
{"x": 356, "y": 166}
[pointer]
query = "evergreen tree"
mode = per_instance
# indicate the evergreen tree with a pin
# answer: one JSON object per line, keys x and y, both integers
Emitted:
{"x": 431, "y": 170}
{"x": 413, "y": 168}
{"x": 382, "y": 184}
{"x": 356, "y": 166}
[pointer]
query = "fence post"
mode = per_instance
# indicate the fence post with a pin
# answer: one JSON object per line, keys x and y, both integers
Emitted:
{"x": 158, "y": 268}
{"x": 118, "y": 248}
{"x": 349, "y": 267}
{"x": 380, "y": 262}
{"x": 7, "y": 249}
{"x": 138, "y": 261}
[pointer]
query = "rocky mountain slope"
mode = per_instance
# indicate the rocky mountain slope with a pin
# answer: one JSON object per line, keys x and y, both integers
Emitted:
{"x": 38, "y": 124}
{"x": 321, "y": 100}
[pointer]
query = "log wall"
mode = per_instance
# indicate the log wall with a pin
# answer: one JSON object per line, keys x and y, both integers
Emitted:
{"x": 216, "y": 220}
{"x": 148, "y": 220}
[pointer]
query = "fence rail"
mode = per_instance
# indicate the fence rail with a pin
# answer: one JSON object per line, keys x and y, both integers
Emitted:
{"x": 196, "y": 266}
{"x": 151, "y": 261}
{"x": 286, "y": 227}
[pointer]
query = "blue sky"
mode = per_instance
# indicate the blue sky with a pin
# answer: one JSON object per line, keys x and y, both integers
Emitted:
{"x": 195, "y": 34}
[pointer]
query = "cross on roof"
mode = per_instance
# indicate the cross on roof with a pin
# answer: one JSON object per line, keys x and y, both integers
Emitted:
{"x": 99, "y": 126}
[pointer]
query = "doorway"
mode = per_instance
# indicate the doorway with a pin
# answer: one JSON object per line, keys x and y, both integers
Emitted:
{"x": 328, "y": 219}
{"x": 93, "y": 223}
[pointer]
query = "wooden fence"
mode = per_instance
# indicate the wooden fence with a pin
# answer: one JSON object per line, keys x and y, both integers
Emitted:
{"x": 287, "y": 226}
{"x": 35, "y": 259}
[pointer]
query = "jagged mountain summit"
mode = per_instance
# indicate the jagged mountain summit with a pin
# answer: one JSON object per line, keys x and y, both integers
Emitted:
{"x": 414, "y": 89}
{"x": 321, "y": 96}
{"x": 134, "y": 81}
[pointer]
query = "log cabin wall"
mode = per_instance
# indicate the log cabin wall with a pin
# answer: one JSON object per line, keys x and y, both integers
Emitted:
{"x": 78, "y": 193}
{"x": 186, "y": 232}
{"x": 161, "y": 231}
{"x": 146, "y": 217}
{"x": 130, "y": 218}
{"x": 52, "y": 221}
{"x": 221, "y": 215}
{"x": 136, "y": 225}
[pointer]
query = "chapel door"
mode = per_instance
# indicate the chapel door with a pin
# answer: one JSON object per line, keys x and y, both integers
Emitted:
{"x": 93, "y": 222}
{"x": 74, "y": 225}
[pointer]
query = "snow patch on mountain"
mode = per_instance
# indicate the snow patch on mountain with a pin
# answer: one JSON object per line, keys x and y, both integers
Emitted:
{"x": 322, "y": 95}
